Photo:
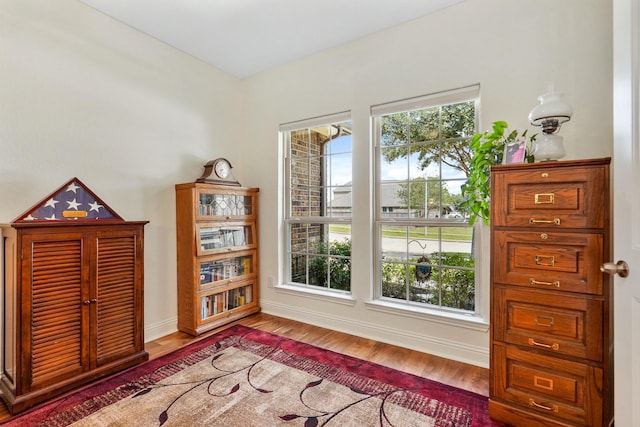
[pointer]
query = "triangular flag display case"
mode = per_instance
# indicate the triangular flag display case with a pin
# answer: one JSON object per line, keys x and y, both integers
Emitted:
{"x": 73, "y": 295}
{"x": 71, "y": 202}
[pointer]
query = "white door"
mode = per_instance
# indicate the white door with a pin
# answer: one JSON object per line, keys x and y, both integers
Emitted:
{"x": 626, "y": 208}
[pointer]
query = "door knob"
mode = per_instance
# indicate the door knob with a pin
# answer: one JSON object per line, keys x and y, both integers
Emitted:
{"x": 621, "y": 268}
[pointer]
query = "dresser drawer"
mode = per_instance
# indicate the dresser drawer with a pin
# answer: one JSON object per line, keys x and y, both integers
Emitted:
{"x": 572, "y": 197}
{"x": 547, "y": 386}
{"x": 555, "y": 261}
{"x": 555, "y": 324}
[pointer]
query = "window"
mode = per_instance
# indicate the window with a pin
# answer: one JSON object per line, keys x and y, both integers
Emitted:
{"x": 318, "y": 203}
{"x": 425, "y": 244}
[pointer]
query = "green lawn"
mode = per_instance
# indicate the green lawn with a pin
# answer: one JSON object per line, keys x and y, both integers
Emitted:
{"x": 448, "y": 233}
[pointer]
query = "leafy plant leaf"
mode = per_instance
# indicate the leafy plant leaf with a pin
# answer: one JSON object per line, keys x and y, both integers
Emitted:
{"x": 488, "y": 150}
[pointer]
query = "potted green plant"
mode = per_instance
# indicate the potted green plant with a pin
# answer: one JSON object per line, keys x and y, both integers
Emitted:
{"x": 488, "y": 150}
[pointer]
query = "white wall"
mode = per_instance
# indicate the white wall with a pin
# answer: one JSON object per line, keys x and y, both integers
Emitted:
{"x": 512, "y": 48}
{"x": 83, "y": 95}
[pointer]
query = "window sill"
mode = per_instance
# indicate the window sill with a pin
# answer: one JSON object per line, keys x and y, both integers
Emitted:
{"x": 340, "y": 297}
{"x": 468, "y": 321}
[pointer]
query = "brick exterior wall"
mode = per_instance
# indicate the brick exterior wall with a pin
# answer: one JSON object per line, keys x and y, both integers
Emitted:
{"x": 306, "y": 195}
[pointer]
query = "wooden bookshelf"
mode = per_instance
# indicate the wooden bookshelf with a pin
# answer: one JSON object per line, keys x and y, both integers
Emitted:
{"x": 217, "y": 253}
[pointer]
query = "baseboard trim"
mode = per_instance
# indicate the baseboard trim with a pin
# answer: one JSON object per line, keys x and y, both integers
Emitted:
{"x": 160, "y": 329}
{"x": 437, "y": 346}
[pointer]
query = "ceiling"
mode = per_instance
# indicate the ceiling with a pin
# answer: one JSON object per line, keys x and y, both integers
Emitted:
{"x": 245, "y": 37}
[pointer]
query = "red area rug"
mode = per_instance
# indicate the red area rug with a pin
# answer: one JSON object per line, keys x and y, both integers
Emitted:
{"x": 245, "y": 377}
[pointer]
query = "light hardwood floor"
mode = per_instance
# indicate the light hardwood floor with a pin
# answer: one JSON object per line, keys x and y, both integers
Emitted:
{"x": 446, "y": 371}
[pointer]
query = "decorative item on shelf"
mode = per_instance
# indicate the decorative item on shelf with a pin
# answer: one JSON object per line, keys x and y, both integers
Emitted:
{"x": 218, "y": 171}
{"x": 550, "y": 114}
{"x": 74, "y": 201}
{"x": 514, "y": 152}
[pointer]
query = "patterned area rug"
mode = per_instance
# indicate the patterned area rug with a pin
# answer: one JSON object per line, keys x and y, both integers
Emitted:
{"x": 245, "y": 377}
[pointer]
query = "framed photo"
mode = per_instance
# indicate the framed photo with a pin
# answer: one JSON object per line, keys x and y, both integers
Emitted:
{"x": 514, "y": 153}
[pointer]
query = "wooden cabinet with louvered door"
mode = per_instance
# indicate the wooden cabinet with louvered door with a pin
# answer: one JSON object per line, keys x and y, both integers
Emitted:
{"x": 72, "y": 296}
{"x": 73, "y": 307}
{"x": 551, "y": 306}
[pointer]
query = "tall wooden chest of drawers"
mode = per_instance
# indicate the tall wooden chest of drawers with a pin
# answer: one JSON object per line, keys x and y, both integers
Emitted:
{"x": 551, "y": 306}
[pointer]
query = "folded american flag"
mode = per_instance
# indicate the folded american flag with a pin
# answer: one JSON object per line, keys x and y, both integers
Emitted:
{"x": 72, "y": 201}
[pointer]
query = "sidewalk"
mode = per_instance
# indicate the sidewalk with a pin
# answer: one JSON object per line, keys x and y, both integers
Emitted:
{"x": 397, "y": 247}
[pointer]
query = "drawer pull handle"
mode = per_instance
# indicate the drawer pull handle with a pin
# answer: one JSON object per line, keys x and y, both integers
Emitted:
{"x": 544, "y": 199}
{"x": 554, "y": 346}
{"x": 552, "y": 408}
{"x": 535, "y": 282}
{"x": 555, "y": 221}
{"x": 545, "y": 260}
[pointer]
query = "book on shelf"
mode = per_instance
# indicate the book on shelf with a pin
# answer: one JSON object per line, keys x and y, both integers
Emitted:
{"x": 206, "y": 272}
{"x": 249, "y": 294}
{"x": 221, "y": 302}
{"x": 206, "y": 307}
{"x": 212, "y": 271}
{"x": 239, "y": 237}
{"x": 241, "y": 296}
{"x": 246, "y": 265}
{"x": 214, "y": 304}
{"x": 232, "y": 301}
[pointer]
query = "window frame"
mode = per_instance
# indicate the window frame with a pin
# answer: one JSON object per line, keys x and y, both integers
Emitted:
{"x": 289, "y": 219}
{"x": 380, "y": 302}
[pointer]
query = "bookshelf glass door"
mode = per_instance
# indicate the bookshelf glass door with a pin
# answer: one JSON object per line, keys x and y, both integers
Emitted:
{"x": 225, "y": 205}
{"x": 217, "y": 238}
{"x": 215, "y": 304}
{"x": 217, "y": 269}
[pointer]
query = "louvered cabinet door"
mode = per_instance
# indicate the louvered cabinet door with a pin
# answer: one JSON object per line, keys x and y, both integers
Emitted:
{"x": 56, "y": 348}
{"x": 118, "y": 295}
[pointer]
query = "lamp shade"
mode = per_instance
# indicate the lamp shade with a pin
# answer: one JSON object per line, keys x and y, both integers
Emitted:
{"x": 551, "y": 109}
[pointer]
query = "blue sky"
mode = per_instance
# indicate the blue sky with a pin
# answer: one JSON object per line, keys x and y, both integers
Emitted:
{"x": 341, "y": 164}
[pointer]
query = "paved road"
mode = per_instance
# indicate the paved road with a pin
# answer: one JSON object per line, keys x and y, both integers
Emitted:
{"x": 394, "y": 247}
